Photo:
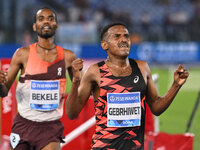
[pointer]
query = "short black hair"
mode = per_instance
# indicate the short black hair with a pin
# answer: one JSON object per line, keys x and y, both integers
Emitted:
{"x": 35, "y": 16}
{"x": 108, "y": 26}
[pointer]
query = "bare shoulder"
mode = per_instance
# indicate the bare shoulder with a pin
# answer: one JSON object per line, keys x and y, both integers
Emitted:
{"x": 69, "y": 57}
{"x": 21, "y": 54}
{"x": 93, "y": 73}
{"x": 142, "y": 64}
{"x": 144, "y": 68}
{"x": 68, "y": 52}
{"x": 93, "y": 69}
{"x": 22, "y": 51}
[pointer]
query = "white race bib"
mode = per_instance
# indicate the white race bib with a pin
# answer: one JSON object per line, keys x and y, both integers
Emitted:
{"x": 14, "y": 139}
{"x": 124, "y": 109}
{"x": 44, "y": 95}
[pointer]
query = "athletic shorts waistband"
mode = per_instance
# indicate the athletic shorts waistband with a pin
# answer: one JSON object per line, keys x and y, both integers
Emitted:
{"x": 18, "y": 116}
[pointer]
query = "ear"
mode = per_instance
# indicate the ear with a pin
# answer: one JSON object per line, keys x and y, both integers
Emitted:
{"x": 56, "y": 27}
{"x": 34, "y": 27}
{"x": 104, "y": 45}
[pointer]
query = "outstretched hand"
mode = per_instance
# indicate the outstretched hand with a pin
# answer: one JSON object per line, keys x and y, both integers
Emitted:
{"x": 77, "y": 66}
{"x": 3, "y": 77}
{"x": 180, "y": 75}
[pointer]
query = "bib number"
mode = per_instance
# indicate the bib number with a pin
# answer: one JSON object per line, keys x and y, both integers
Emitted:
{"x": 44, "y": 95}
{"x": 14, "y": 139}
{"x": 124, "y": 109}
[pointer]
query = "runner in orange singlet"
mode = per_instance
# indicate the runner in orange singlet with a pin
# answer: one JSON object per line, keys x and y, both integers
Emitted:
{"x": 41, "y": 87}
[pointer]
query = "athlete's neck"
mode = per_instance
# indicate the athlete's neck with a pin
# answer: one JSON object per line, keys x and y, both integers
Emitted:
{"x": 45, "y": 48}
{"x": 118, "y": 62}
{"x": 46, "y": 44}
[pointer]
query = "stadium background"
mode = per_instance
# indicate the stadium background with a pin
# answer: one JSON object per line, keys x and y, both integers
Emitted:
{"x": 163, "y": 32}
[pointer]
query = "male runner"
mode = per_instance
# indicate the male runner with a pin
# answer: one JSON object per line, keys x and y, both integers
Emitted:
{"x": 41, "y": 87}
{"x": 120, "y": 87}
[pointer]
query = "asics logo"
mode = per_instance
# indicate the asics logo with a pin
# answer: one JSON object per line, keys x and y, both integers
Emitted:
{"x": 136, "y": 79}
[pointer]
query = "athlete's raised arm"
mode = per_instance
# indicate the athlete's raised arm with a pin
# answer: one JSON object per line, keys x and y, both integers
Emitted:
{"x": 7, "y": 77}
{"x": 158, "y": 104}
{"x": 81, "y": 88}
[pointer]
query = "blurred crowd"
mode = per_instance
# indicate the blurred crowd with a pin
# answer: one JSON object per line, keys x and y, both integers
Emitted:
{"x": 152, "y": 20}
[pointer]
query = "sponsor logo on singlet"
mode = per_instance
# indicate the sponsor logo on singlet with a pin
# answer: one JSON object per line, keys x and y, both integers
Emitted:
{"x": 136, "y": 79}
{"x": 59, "y": 71}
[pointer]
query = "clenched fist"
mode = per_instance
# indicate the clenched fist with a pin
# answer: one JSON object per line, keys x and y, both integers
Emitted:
{"x": 3, "y": 77}
{"x": 77, "y": 66}
{"x": 180, "y": 75}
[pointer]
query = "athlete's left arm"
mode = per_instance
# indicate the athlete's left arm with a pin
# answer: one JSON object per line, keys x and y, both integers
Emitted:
{"x": 69, "y": 58}
{"x": 158, "y": 104}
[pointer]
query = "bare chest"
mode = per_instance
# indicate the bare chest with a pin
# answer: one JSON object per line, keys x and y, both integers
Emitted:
{"x": 120, "y": 71}
{"x": 48, "y": 56}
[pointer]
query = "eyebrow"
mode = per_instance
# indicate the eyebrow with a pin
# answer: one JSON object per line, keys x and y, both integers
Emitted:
{"x": 51, "y": 16}
{"x": 120, "y": 34}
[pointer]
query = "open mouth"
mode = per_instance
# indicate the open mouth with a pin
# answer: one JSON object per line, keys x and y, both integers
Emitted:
{"x": 123, "y": 45}
{"x": 46, "y": 28}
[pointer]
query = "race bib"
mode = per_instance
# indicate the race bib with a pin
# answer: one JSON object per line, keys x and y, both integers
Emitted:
{"x": 14, "y": 139}
{"x": 44, "y": 95}
{"x": 124, "y": 109}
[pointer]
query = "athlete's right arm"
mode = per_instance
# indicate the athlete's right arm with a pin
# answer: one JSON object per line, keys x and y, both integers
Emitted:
{"x": 7, "y": 77}
{"x": 80, "y": 92}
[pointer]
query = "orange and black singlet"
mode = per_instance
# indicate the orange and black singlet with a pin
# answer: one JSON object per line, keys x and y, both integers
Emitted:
{"x": 40, "y": 90}
{"x": 120, "y": 110}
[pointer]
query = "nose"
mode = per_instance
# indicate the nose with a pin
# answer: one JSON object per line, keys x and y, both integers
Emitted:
{"x": 124, "y": 39}
{"x": 46, "y": 21}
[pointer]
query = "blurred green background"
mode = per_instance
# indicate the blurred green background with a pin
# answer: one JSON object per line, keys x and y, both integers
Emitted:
{"x": 175, "y": 119}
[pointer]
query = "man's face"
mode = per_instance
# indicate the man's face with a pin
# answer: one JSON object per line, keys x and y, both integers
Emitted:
{"x": 45, "y": 24}
{"x": 118, "y": 41}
